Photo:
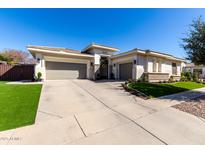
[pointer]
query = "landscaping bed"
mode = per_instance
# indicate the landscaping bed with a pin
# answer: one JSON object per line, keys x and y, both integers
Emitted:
{"x": 134, "y": 91}
{"x": 195, "y": 107}
{"x": 18, "y": 104}
{"x": 151, "y": 90}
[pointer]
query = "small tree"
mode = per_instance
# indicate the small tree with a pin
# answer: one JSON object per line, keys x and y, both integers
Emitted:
{"x": 2, "y": 58}
{"x": 195, "y": 77}
{"x": 194, "y": 43}
{"x": 13, "y": 56}
{"x": 186, "y": 76}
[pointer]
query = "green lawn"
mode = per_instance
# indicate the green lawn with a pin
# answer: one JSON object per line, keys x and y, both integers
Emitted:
{"x": 161, "y": 89}
{"x": 18, "y": 105}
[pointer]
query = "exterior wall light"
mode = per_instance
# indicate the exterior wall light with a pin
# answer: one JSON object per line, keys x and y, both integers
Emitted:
{"x": 38, "y": 60}
{"x": 135, "y": 62}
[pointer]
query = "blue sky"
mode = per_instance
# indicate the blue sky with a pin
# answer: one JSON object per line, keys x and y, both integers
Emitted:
{"x": 154, "y": 29}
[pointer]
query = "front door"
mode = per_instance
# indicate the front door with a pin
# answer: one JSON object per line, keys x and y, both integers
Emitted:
{"x": 174, "y": 68}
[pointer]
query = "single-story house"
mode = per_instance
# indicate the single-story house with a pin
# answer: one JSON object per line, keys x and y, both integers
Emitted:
{"x": 199, "y": 69}
{"x": 100, "y": 62}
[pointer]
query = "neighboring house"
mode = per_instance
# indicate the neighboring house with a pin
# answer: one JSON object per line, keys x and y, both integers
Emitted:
{"x": 199, "y": 69}
{"x": 98, "y": 61}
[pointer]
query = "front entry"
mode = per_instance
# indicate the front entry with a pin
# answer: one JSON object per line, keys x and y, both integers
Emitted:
{"x": 103, "y": 70}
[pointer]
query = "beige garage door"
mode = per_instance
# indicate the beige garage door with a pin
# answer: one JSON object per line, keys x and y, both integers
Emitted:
{"x": 125, "y": 71}
{"x": 61, "y": 70}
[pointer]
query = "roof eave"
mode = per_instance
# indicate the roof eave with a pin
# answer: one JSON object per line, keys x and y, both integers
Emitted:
{"x": 127, "y": 53}
{"x": 146, "y": 52}
{"x": 165, "y": 56}
{"x": 34, "y": 50}
{"x": 101, "y": 47}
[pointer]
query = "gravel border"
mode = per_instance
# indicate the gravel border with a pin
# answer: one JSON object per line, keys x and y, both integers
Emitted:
{"x": 195, "y": 107}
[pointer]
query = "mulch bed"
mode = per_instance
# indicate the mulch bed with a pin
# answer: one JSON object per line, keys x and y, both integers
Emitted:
{"x": 195, "y": 107}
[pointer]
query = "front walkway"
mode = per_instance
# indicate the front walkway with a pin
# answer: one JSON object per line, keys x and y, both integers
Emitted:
{"x": 87, "y": 112}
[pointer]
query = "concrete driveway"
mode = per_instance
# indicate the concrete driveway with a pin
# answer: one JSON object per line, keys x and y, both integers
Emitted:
{"x": 87, "y": 112}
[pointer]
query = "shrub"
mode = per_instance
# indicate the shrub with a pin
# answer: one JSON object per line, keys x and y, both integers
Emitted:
{"x": 38, "y": 77}
{"x": 139, "y": 80}
{"x": 98, "y": 76}
{"x": 183, "y": 78}
{"x": 186, "y": 76}
{"x": 144, "y": 78}
{"x": 130, "y": 80}
{"x": 196, "y": 77}
{"x": 171, "y": 79}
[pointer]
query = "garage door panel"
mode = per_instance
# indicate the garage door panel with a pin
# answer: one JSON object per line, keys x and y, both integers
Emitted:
{"x": 125, "y": 71}
{"x": 61, "y": 70}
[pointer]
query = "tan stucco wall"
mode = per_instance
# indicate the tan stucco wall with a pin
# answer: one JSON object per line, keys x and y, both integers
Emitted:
{"x": 150, "y": 63}
{"x": 141, "y": 66}
{"x": 166, "y": 65}
{"x": 40, "y": 65}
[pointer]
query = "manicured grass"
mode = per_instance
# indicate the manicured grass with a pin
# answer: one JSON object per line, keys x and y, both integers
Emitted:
{"x": 161, "y": 89}
{"x": 18, "y": 105}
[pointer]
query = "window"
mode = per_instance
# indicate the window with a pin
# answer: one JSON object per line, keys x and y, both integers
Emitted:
{"x": 174, "y": 65}
{"x": 154, "y": 66}
{"x": 174, "y": 68}
{"x": 159, "y": 66}
{"x": 197, "y": 71}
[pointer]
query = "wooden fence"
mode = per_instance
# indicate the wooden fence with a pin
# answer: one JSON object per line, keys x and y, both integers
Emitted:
{"x": 16, "y": 72}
